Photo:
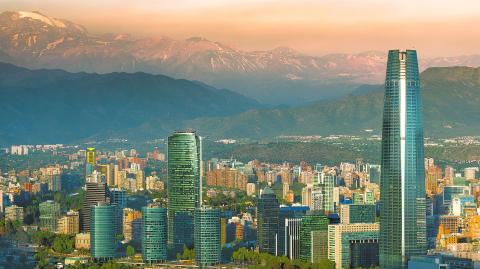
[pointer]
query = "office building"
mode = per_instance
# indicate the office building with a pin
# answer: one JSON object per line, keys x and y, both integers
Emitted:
{"x": 403, "y": 209}
{"x": 49, "y": 215}
{"x": 94, "y": 193}
{"x": 118, "y": 197}
{"x": 313, "y": 237}
{"x": 82, "y": 241}
{"x": 353, "y": 245}
{"x": 70, "y": 223}
{"x": 154, "y": 233}
{"x": 129, "y": 216}
{"x": 14, "y": 213}
{"x": 267, "y": 216}
{"x": 90, "y": 161}
{"x": 292, "y": 213}
{"x": 184, "y": 186}
{"x": 207, "y": 236}
{"x": 291, "y": 238}
{"x": 357, "y": 213}
{"x": 102, "y": 233}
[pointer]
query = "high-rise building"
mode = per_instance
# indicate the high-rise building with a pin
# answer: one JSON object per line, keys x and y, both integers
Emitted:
{"x": 292, "y": 238}
{"x": 295, "y": 212}
{"x": 184, "y": 186}
{"x": 267, "y": 216}
{"x": 357, "y": 213}
{"x": 90, "y": 161}
{"x": 49, "y": 215}
{"x": 314, "y": 237}
{"x": 403, "y": 215}
{"x": 94, "y": 193}
{"x": 207, "y": 236}
{"x": 118, "y": 197}
{"x": 154, "y": 233}
{"x": 14, "y": 213}
{"x": 353, "y": 245}
{"x": 102, "y": 233}
{"x": 70, "y": 223}
{"x": 128, "y": 217}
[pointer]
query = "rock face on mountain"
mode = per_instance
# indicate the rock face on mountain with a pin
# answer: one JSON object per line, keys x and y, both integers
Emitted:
{"x": 278, "y": 76}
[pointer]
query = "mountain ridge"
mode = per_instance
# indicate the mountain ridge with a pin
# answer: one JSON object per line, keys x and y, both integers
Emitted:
{"x": 59, "y": 107}
{"x": 278, "y": 76}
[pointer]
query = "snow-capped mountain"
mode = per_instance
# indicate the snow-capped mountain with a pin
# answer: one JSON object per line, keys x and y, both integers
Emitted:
{"x": 281, "y": 75}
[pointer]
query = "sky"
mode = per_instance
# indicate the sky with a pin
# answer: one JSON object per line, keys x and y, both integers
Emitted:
{"x": 433, "y": 27}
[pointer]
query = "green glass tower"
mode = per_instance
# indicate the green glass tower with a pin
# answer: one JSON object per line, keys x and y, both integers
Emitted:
{"x": 49, "y": 215}
{"x": 267, "y": 215}
{"x": 184, "y": 186}
{"x": 402, "y": 185}
{"x": 207, "y": 236}
{"x": 102, "y": 231}
{"x": 314, "y": 237}
{"x": 154, "y": 234}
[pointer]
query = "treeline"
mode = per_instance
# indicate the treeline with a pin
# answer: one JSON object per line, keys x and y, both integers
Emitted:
{"x": 267, "y": 261}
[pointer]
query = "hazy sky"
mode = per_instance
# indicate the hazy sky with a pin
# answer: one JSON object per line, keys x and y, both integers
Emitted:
{"x": 434, "y": 27}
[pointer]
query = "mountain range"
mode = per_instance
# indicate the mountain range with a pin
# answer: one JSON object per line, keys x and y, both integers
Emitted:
{"x": 55, "y": 106}
{"x": 278, "y": 76}
{"x": 451, "y": 98}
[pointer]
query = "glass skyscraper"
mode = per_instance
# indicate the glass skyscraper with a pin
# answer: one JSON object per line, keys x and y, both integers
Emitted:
{"x": 267, "y": 215}
{"x": 102, "y": 233}
{"x": 402, "y": 214}
{"x": 207, "y": 236}
{"x": 154, "y": 233}
{"x": 184, "y": 186}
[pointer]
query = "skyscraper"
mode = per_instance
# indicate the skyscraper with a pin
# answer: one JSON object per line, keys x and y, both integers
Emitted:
{"x": 49, "y": 215}
{"x": 118, "y": 197}
{"x": 267, "y": 215}
{"x": 184, "y": 186}
{"x": 102, "y": 234}
{"x": 94, "y": 193}
{"x": 207, "y": 236}
{"x": 313, "y": 237}
{"x": 154, "y": 233}
{"x": 90, "y": 160}
{"x": 402, "y": 218}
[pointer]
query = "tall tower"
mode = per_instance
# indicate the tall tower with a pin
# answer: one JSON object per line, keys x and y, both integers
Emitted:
{"x": 207, "y": 236}
{"x": 154, "y": 233}
{"x": 267, "y": 215}
{"x": 90, "y": 161}
{"x": 102, "y": 234}
{"x": 184, "y": 186}
{"x": 402, "y": 218}
{"x": 94, "y": 193}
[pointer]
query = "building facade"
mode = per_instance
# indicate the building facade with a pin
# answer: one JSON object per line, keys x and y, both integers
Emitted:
{"x": 184, "y": 186}
{"x": 94, "y": 193}
{"x": 49, "y": 215}
{"x": 267, "y": 215}
{"x": 314, "y": 237}
{"x": 102, "y": 233}
{"x": 207, "y": 236}
{"x": 403, "y": 215}
{"x": 154, "y": 234}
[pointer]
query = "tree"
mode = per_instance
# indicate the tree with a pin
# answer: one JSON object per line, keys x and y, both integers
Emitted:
{"x": 130, "y": 252}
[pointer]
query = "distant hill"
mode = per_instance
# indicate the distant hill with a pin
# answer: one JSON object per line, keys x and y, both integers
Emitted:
{"x": 451, "y": 98}
{"x": 54, "y": 106}
{"x": 275, "y": 76}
